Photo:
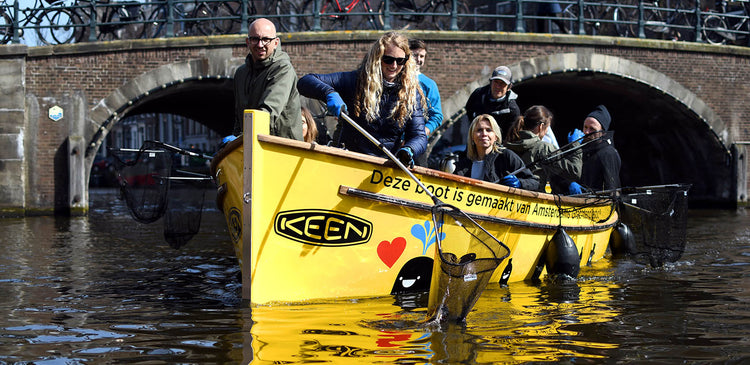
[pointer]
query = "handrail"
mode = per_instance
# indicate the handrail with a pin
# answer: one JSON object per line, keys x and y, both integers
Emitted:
{"x": 666, "y": 19}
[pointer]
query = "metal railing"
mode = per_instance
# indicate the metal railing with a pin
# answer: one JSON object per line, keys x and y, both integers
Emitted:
{"x": 75, "y": 21}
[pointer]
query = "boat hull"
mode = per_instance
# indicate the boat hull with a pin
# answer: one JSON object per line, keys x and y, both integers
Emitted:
{"x": 328, "y": 223}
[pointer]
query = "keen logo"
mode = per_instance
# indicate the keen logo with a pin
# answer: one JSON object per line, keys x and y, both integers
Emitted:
{"x": 322, "y": 227}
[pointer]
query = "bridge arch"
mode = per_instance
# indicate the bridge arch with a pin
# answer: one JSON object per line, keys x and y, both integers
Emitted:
{"x": 678, "y": 139}
{"x": 176, "y": 88}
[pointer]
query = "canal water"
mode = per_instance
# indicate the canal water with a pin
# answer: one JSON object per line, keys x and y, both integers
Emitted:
{"x": 105, "y": 289}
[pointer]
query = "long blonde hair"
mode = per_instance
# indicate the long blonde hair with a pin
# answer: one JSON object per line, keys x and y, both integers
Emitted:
{"x": 471, "y": 148}
{"x": 370, "y": 83}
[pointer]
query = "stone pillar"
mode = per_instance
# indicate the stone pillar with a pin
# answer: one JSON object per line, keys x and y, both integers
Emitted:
{"x": 12, "y": 130}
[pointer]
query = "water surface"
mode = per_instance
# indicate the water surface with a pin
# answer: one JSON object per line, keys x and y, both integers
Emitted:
{"x": 105, "y": 289}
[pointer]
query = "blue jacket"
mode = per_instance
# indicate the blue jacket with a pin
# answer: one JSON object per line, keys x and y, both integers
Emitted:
{"x": 384, "y": 129}
{"x": 434, "y": 110}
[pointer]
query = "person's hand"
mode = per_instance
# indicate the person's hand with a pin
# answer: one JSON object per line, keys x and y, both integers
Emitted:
{"x": 406, "y": 156}
{"x": 511, "y": 180}
{"x": 335, "y": 104}
{"x": 575, "y": 135}
{"x": 575, "y": 188}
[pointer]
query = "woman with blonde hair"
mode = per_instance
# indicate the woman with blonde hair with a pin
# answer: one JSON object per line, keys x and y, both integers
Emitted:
{"x": 384, "y": 97}
{"x": 485, "y": 159}
{"x": 526, "y": 140}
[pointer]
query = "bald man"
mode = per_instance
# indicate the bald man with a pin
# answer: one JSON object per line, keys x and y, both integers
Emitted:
{"x": 267, "y": 81}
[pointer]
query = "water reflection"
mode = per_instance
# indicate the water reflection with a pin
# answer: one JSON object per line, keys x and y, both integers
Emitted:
{"x": 104, "y": 289}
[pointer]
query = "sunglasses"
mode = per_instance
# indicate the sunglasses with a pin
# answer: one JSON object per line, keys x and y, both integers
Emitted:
{"x": 399, "y": 60}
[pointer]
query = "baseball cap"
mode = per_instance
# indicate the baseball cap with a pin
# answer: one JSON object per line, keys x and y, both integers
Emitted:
{"x": 501, "y": 73}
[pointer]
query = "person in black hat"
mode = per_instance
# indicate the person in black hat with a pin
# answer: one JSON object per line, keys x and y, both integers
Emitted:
{"x": 601, "y": 161}
{"x": 495, "y": 99}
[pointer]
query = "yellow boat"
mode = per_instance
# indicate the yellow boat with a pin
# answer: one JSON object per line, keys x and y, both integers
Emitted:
{"x": 329, "y": 223}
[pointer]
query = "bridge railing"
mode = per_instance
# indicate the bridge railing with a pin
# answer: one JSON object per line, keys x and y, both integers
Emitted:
{"x": 75, "y": 21}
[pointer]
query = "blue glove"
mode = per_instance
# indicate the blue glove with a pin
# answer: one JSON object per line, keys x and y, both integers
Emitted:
{"x": 575, "y": 135}
{"x": 575, "y": 188}
{"x": 228, "y": 139}
{"x": 406, "y": 156}
{"x": 511, "y": 180}
{"x": 335, "y": 104}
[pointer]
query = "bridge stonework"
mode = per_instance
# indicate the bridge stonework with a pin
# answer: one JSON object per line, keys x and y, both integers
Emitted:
{"x": 45, "y": 163}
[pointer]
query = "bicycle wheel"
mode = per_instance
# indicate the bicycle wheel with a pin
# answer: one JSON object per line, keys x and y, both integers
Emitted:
{"x": 713, "y": 26}
{"x": 570, "y": 16}
{"x": 289, "y": 18}
{"x": 368, "y": 21}
{"x": 156, "y": 25}
{"x": 620, "y": 25}
{"x": 230, "y": 10}
{"x": 328, "y": 21}
{"x": 402, "y": 21}
{"x": 684, "y": 17}
{"x": 126, "y": 21}
{"x": 56, "y": 26}
{"x": 443, "y": 22}
{"x": 6, "y": 28}
{"x": 204, "y": 22}
{"x": 654, "y": 24}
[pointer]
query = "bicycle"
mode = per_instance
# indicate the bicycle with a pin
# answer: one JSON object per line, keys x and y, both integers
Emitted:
{"x": 728, "y": 26}
{"x": 337, "y": 15}
{"x": 597, "y": 18}
{"x": 676, "y": 21}
{"x": 51, "y": 20}
{"x": 406, "y": 13}
{"x": 193, "y": 17}
{"x": 288, "y": 17}
{"x": 115, "y": 20}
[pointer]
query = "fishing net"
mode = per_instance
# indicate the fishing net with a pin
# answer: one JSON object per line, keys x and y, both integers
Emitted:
{"x": 143, "y": 177}
{"x": 182, "y": 220}
{"x": 153, "y": 188}
{"x": 657, "y": 217}
{"x": 467, "y": 257}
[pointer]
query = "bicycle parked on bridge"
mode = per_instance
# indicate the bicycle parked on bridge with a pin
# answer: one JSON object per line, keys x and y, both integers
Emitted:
{"x": 193, "y": 17}
{"x": 730, "y": 26}
{"x": 674, "y": 21}
{"x": 51, "y": 20}
{"x": 114, "y": 20}
{"x": 333, "y": 15}
{"x": 435, "y": 14}
{"x": 597, "y": 19}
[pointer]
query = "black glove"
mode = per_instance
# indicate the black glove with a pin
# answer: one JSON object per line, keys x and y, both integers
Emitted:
{"x": 406, "y": 156}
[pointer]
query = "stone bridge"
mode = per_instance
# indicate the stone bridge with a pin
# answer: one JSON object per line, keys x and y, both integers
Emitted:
{"x": 680, "y": 110}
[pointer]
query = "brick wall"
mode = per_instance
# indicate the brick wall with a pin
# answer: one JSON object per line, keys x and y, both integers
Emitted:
{"x": 719, "y": 76}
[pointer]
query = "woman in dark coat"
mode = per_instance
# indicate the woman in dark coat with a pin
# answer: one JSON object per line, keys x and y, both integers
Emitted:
{"x": 487, "y": 160}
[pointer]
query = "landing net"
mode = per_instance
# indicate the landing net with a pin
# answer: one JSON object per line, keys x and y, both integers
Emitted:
{"x": 657, "y": 216}
{"x": 468, "y": 255}
{"x": 153, "y": 188}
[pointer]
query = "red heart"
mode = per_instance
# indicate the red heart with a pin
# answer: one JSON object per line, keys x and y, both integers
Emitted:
{"x": 389, "y": 252}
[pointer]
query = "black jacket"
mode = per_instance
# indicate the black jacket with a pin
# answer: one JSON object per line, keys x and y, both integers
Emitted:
{"x": 496, "y": 166}
{"x": 505, "y": 112}
{"x": 601, "y": 165}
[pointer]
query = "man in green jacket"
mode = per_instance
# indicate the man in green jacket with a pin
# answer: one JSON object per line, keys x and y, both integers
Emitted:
{"x": 267, "y": 81}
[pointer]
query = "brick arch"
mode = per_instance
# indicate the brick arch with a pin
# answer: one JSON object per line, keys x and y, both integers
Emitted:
{"x": 600, "y": 63}
{"x": 109, "y": 110}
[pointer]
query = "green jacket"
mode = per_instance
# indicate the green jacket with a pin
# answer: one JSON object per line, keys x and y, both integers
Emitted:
{"x": 532, "y": 149}
{"x": 269, "y": 85}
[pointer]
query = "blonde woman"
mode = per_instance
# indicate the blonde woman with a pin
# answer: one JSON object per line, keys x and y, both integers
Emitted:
{"x": 383, "y": 96}
{"x": 485, "y": 159}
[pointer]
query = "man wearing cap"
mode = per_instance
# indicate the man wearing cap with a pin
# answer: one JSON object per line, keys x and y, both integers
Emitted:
{"x": 601, "y": 161}
{"x": 495, "y": 99}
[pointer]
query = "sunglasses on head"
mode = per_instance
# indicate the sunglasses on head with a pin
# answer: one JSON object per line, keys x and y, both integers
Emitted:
{"x": 390, "y": 59}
